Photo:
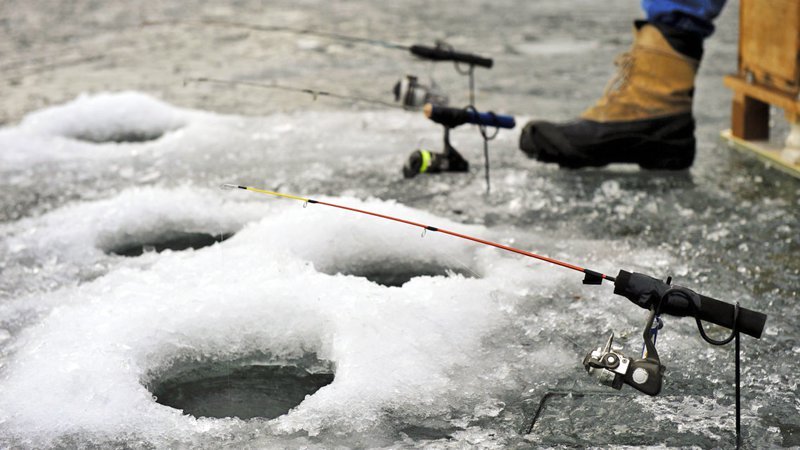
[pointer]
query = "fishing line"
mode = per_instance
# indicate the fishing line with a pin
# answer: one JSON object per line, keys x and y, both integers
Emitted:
{"x": 486, "y": 138}
{"x": 314, "y": 93}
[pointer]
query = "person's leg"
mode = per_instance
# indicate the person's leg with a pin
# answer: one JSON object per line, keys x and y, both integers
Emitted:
{"x": 645, "y": 114}
{"x": 691, "y": 16}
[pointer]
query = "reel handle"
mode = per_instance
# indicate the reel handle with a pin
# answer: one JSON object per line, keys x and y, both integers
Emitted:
{"x": 442, "y": 54}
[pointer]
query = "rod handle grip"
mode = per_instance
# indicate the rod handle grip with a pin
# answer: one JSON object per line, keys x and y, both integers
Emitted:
{"x": 647, "y": 292}
{"x": 721, "y": 313}
{"x": 453, "y": 117}
{"x": 443, "y": 54}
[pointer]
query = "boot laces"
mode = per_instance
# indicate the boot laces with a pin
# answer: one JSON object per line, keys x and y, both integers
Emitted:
{"x": 624, "y": 64}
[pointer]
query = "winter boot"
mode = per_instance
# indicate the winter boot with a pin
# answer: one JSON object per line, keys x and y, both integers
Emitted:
{"x": 644, "y": 116}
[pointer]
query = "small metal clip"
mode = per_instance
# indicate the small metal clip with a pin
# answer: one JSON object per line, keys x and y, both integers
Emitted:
{"x": 305, "y": 203}
{"x": 424, "y": 230}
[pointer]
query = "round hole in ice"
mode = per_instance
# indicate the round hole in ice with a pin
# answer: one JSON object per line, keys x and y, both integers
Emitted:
{"x": 119, "y": 136}
{"x": 396, "y": 272}
{"x": 172, "y": 240}
{"x": 108, "y": 117}
{"x": 245, "y": 388}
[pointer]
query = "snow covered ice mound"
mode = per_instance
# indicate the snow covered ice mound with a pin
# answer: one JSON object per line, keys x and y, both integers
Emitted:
{"x": 78, "y": 242}
{"x": 109, "y": 117}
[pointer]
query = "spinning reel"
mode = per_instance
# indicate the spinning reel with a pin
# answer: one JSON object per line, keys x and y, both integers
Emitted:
{"x": 614, "y": 369}
{"x": 645, "y": 374}
{"x": 410, "y": 93}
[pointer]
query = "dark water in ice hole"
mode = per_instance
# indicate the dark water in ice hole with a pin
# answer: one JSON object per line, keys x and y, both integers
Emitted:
{"x": 176, "y": 240}
{"x": 401, "y": 272}
{"x": 246, "y": 392}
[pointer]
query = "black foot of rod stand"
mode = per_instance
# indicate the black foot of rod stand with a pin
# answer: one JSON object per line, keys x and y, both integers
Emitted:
{"x": 738, "y": 395}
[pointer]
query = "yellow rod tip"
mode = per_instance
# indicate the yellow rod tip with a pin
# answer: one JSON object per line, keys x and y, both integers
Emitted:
{"x": 228, "y": 186}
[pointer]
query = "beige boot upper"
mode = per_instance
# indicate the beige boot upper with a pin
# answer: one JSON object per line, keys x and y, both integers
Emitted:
{"x": 653, "y": 81}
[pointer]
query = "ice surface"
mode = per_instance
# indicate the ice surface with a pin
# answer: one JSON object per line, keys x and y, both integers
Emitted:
{"x": 444, "y": 361}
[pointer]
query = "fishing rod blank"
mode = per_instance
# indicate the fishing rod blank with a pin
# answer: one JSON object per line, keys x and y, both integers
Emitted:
{"x": 592, "y": 276}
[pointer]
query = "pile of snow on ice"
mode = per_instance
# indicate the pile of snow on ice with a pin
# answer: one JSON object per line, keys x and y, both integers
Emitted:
{"x": 107, "y": 117}
{"x": 84, "y": 367}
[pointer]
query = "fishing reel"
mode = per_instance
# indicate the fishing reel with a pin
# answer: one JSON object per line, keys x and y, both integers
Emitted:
{"x": 412, "y": 94}
{"x": 426, "y": 161}
{"x": 450, "y": 160}
{"x": 614, "y": 369}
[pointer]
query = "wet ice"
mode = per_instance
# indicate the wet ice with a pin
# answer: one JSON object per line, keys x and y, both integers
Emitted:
{"x": 455, "y": 360}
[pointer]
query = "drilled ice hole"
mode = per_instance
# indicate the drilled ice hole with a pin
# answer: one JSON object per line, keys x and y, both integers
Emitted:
{"x": 173, "y": 240}
{"x": 119, "y": 136}
{"x": 396, "y": 272}
{"x": 245, "y": 388}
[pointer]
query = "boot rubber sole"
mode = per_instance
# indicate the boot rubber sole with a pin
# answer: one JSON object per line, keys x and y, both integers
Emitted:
{"x": 666, "y": 143}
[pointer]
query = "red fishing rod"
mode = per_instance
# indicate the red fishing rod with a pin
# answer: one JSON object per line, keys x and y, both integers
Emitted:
{"x": 608, "y": 364}
{"x": 644, "y": 290}
{"x": 591, "y": 276}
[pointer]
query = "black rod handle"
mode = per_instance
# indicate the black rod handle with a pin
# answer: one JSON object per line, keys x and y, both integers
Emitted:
{"x": 721, "y": 313}
{"x": 443, "y": 54}
{"x": 648, "y": 292}
{"x": 453, "y": 117}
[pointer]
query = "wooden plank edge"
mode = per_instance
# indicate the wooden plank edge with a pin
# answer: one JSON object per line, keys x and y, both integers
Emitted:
{"x": 771, "y": 156}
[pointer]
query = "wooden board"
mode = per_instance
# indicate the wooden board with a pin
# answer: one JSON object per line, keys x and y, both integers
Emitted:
{"x": 769, "y": 41}
{"x": 782, "y": 159}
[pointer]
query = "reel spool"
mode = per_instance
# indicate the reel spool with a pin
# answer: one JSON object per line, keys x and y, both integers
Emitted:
{"x": 410, "y": 93}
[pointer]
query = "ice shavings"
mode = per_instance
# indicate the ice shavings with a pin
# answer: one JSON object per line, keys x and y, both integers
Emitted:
{"x": 84, "y": 367}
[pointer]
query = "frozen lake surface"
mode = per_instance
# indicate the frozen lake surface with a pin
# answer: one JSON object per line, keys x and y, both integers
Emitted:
{"x": 124, "y": 266}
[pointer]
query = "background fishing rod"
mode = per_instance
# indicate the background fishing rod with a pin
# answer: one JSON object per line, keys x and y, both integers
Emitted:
{"x": 644, "y": 373}
{"x": 409, "y": 91}
{"x": 420, "y": 161}
{"x": 440, "y": 51}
